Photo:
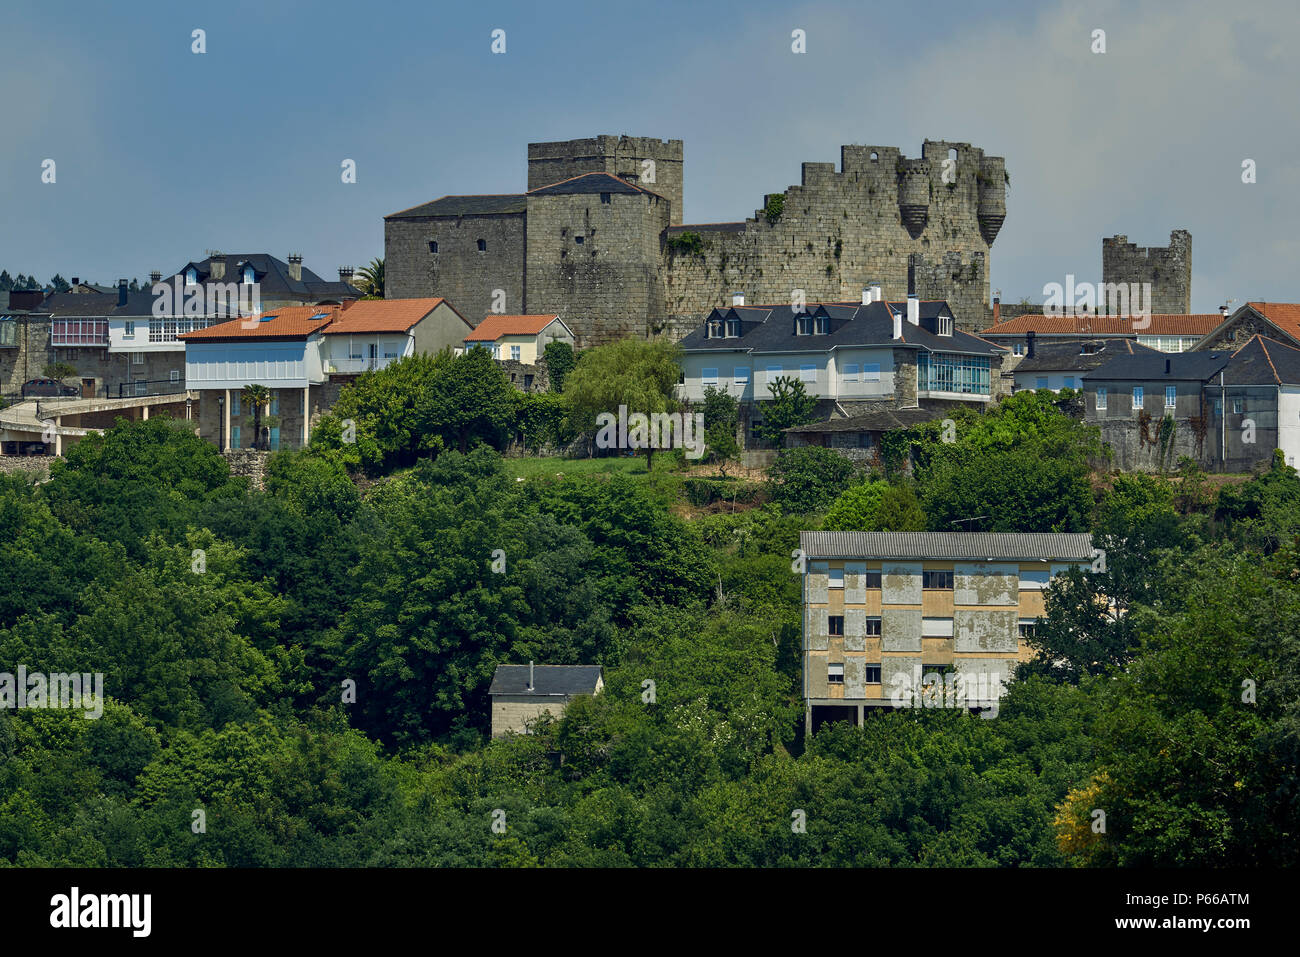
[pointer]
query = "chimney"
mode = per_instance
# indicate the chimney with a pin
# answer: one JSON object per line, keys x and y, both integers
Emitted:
{"x": 530, "y": 676}
{"x": 1029, "y": 344}
{"x": 866, "y": 296}
{"x": 898, "y": 325}
{"x": 345, "y": 274}
{"x": 1223, "y": 310}
{"x": 737, "y": 298}
{"x": 216, "y": 268}
{"x": 75, "y": 283}
{"x": 121, "y": 293}
{"x": 876, "y": 295}
{"x": 155, "y": 277}
{"x": 997, "y": 310}
{"x": 914, "y": 310}
{"x": 295, "y": 267}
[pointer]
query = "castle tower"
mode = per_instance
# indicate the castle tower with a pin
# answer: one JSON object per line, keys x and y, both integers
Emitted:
{"x": 914, "y": 195}
{"x": 651, "y": 163}
{"x": 1167, "y": 268}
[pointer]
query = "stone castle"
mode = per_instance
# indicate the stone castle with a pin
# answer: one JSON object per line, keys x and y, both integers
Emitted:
{"x": 1167, "y": 268}
{"x": 598, "y": 238}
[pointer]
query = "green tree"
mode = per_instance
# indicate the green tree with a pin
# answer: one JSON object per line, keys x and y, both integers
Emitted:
{"x": 59, "y": 370}
{"x": 257, "y": 398}
{"x": 370, "y": 279}
{"x": 790, "y": 406}
{"x": 721, "y": 412}
{"x": 637, "y": 373}
{"x": 809, "y": 478}
{"x": 560, "y": 360}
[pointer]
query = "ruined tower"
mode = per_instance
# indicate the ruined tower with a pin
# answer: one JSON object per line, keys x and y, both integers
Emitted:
{"x": 1167, "y": 268}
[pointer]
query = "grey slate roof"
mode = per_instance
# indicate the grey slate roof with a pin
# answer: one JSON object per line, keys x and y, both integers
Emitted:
{"x": 1147, "y": 367}
{"x": 76, "y": 304}
{"x": 940, "y": 546}
{"x": 1068, "y": 357}
{"x": 1263, "y": 361}
{"x": 485, "y": 204}
{"x": 548, "y": 680}
{"x": 881, "y": 421}
{"x": 771, "y": 329}
{"x": 589, "y": 183}
{"x": 272, "y": 275}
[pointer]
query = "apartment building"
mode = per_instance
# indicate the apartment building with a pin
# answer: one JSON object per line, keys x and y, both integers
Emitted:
{"x": 918, "y": 619}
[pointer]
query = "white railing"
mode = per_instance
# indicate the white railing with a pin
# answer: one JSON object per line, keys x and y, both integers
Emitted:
{"x": 357, "y": 365}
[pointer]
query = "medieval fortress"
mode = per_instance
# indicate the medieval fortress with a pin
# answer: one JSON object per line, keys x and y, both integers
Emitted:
{"x": 598, "y": 238}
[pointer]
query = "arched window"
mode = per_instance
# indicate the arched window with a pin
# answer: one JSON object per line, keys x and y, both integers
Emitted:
{"x": 482, "y": 245}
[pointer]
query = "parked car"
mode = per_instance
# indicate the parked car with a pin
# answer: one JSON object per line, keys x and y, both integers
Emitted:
{"x": 44, "y": 387}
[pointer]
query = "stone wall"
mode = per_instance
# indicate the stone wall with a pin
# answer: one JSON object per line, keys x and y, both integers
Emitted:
{"x": 1238, "y": 332}
{"x": 458, "y": 271}
{"x": 623, "y": 156}
{"x": 1167, "y": 268}
{"x": 32, "y": 352}
{"x": 249, "y": 463}
{"x": 35, "y": 466}
{"x": 519, "y": 372}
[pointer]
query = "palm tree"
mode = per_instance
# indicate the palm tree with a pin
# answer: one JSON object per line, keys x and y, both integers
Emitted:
{"x": 257, "y": 397}
{"x": 370, "y": 279}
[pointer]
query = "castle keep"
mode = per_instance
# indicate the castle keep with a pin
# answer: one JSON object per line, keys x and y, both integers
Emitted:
{"x": 598, "y": 238}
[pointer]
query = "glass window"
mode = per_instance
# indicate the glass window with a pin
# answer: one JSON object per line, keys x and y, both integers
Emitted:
{"x": 945, "y": 372}
{"x": 234, "y": 403}
{"x": 871, "y": 372}
{"x": 873, "y": 579}
{"x": 741, "y": 375}
{"x": 709, "y": 376}
{"x": 1034, "y": 580}
{"x": 939, "y": 580}
{"x": 836, "y": 579}
{"x": 873, "y": 674}
{"x": 515, "y": 352}
{"x": 175, "y": 375}
{"x": 234, "y": 436}
{"x": 835, "y": 674}
{"x": 433, "y": 245}
{"x": 1018, "y": 349}
{"x": 1137, "y": 397}
{"x": 873, "y": 627}
{"x": 1171, "y": 396}
{"x": 733, "y": 328}
{"x": 1040, "y": 382}
{"x": 823, "y": 326}
{"x": 129, "y": 329}
{"x": 851, "y": 373}
{"x": 1101, "y": 397}
{"x": 835, "y": 624}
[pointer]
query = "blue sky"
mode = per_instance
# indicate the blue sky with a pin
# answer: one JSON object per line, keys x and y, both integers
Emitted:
{"x": 162, "y": 154}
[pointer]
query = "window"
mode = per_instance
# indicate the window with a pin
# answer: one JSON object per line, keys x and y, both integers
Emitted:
{"x": 835, "y": 674}
{"x": 1238, "y": 406}
{"x": 803, "y": 326}
{"x": 275, "y": 438}
{"x": 1101, "y": 398}
{"x": 936, "y": 581}
{"x": 249, "y": 275}
{"x": 482, "y": 245}
{"x": 515, "y": 352}
{"x": 275, "y": 402}
{"x": 835, "y": 624}
{"x": 808, "y": 373}
{"x": 873, "y": 627}
{"x": 1040, "y": 382}
{"x": 433, "y": 245}
{"x": 234, "y": 403}
{"x": 234, "y": 436}
{"x": 944, "y": 372}
{"x": 773, "y": 373}
{"x": 128, "y": 330}
{"x": 823, "y": 325}
{"x": 1018, "y": 349}
{"x": 945, "y": 325}
{"x": 578, "y": 240}
{"x": 873, "y": 674}
{"x": 714, "y": 329}
{"x": 709, "y": 376}
{"x": 1026, "y": 628}
{"x": 1137, "y": 398}
{"x": 851, "y": 373}
{"x": 733, "y": 328}
{"x": 939, "y": 670}
{"x": 191, "y": 276}
{"x": 137, "y": 358}
{"x": 836, "y": 579}
{"x": 175, "y": 375}
{"x": 741, "y": 376}
{"x": 873, "y": 579}
{"x": 1171, "y": 396}
{"x": 604, "y": 199}
{"x": 871, "y": 372}
{"x": 1034, "y": 580}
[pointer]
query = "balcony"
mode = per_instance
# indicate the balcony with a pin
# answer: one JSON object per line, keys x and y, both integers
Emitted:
{"x": 357, "y": 364}
{"x": 79, "y": 332}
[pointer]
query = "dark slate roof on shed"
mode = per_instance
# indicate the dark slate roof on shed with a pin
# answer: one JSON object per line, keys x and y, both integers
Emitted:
{"x": 482, "y": 204}
{"x": 771, "y": 329}
{"x": 1147, "y": 367}
{"x": 1069, "y": 357}
{"x": 1263, "y": 361}
{"x": 940, "y": 546}
{"x": 590, "y": 183}
{"x": 90, "y": 304}
{"x": 882, "y": 421}
{"x": 547, "y": 679}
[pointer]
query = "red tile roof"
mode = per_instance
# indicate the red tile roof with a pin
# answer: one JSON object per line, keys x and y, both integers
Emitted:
{"x": 291, "y": 322}
{"x": 1284, "y": 315}
{"x": 384, "y": 315}
{"x": 1196, "y": 324}
{"x": 494, "y": 327}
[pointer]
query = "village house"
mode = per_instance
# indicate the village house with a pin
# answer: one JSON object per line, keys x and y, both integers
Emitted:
{"x": 1279, "y": 321}
{"x": 1060, "y": 363}
{"x": 523, "y": 693}
{"x": 854, "y": 358}
{"x": 885, "y": 610}
{"x": 519, "y": 344}
{"x": 370, "y": 334}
